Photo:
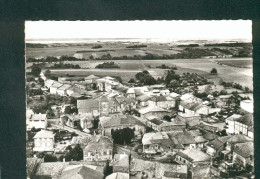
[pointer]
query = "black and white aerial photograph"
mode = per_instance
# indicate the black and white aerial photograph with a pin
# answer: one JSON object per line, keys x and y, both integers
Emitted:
{"x": 139, "y": 99}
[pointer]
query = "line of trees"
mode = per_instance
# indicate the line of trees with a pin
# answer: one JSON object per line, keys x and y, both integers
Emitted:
{"x": 108, "y": 65}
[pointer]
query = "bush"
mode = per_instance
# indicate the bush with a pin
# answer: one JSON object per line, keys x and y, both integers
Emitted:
{"x": 50, "y": 158}
{"x": 214, "y": 71}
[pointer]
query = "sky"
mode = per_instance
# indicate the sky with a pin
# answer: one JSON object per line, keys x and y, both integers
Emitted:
{"x": 178, "y": 30}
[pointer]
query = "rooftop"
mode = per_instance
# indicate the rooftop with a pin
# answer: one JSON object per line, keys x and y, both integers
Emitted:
{"x": 122, "y": 120}
{"x": 44, "y": 134}
{"x": 194, "y": 155}
{"x": 244, "y": 149}
{"x": 52, "y": 169}
{"x": 38, "y": 117}
{"x": 81, "y": 172}
{"x": 118, "y": 175}
{"x": 151, "y": 109}
{"x": 98, "y": 143}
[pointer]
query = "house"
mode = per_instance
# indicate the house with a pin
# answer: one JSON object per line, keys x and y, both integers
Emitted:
{"x": 81, "y": 172}
{"x": 49, "y": 170}
{"x": 120, "y": 122}
{"x": 126, "y": 104}
{"x": 72, "y": 121}
{"x": 192, "y": 158}
{"x": 238, "y": 124}
{"x": 120, "y": 163}
{"x": 49, "y": 83}
{"x": 230, "y": 123}
{"x": 150, "y": 169}
{"x": 247, "y": 105}
{"x": 62, "y": 91}
{"x": 153, "y": 111}
{"x": 91, "y": 79}
{"x": 131, "y": 93}
{"x": 143, "y": 100}
{"x": 195, "y": 109}
{"x": 190, "y": 98}
{"x": 44, "y": 141}
{"x": 188, "y": 139}
{"x": 54, "y": 87}
{"x": 223, "y": 146}
{"x": 100, "y": 148}
{"x": 102, "y": 105}
{"x": 205, "y": 171}
{"x": 86, "y": 121}
{"x": 106, "y": 83}
{"x": 243, "y": 154}
{"x": 171, "y": 171}
{"x": 118, "y": 175}
{"x": 165, "y": 92}
{"x": 156, "y": 143}
{"x": 164, "y": 102}
{"x": 174, "y": 125}
{"x": 37, "y": 121}
{"x": 154, "y": 123}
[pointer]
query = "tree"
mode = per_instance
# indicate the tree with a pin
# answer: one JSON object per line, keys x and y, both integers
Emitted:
{"x": 167, "y": 118}
{"x": 36, "y": 70}
{"x": 131, "y": 80}
{"x": 75, "y": 153}
{"x": 50, "y": 158}
{"x": 149, "y": 80}
{"x": 214, "y": 71}
{"x": 123, "y": 136}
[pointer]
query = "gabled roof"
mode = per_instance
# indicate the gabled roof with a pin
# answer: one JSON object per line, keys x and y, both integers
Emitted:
{"x": 121, "y": 120}
{"x": 64, "y": 87}
{"x": 121, "y": 160}
{"x": 246, "y": 119}
{"x": 87, "y": 103}
{"x": 81, "y": 172}
{"x": 173, "y": 123}
{"x": 98, "y": 143}
{"x": 233, "y": 117}
{"x": 235, "y": 139}
{"x": 40, "y": 117}
{"x": 44, "y": 134}
{"x": 159, "y": 98}
{"x": 91, "y": 77}
{"x": 151, "y": 109}
{"x": 118, "y": 175}
{"x": 130, "y": 91}
{"x": 56, "y": 85}
{"x": 215, "y": 144}
{"x": 143, "y": 98}
{"x": 153, "y": 136}
{"x": 52, "y": 169}
{"x": 244, "y": 149}
{"x": 194, "y": 155}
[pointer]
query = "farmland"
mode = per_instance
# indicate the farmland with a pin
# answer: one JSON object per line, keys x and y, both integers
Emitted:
{"x": 128, "y": 68}
{"x": 229, "y": 69}
{"x": 236, "y": 63}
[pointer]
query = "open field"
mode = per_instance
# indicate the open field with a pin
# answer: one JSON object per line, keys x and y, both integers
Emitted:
{"x": 128, "y": 68}
{"x": 236, "y": 63}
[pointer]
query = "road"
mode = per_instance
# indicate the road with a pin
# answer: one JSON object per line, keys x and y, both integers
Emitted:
{"x": 71, "y": 130}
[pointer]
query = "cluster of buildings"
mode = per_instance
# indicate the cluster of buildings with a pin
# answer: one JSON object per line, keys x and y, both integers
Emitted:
{"x": 177, "y": 135}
